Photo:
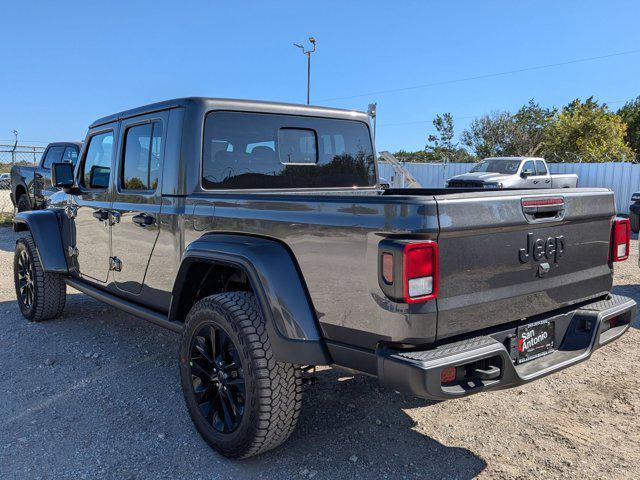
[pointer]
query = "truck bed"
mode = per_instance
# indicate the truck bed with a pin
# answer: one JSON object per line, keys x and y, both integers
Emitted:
{"x": 334, "y": 237}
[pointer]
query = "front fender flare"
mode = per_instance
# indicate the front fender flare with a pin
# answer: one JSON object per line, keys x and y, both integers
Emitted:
{"x": 291, "y": 323}
{"x": 44, "y": 226}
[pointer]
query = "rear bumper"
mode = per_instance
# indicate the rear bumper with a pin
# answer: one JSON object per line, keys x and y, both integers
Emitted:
{"x": 579, "y": 333}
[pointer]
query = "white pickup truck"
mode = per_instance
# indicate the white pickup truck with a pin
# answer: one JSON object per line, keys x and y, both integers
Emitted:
{"x": 512, "y": 172}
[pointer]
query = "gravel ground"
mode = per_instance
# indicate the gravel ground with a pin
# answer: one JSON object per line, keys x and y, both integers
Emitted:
{"x": 96, "y": 394}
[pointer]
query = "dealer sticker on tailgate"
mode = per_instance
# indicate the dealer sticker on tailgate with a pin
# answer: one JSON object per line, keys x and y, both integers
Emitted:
{"x": 535, "y": 340}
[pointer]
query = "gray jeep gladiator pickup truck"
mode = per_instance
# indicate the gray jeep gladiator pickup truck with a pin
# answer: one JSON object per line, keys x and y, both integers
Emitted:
{"x": 260, "y": 233}
{"x": 31, "y": 186}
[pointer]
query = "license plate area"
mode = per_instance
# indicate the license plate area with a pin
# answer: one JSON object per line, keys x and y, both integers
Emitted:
{"x": 535, "y": 340}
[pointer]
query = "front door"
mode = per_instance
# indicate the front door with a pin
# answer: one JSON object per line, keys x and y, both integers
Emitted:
{"x": 42, "y": 176}
{"x": 91, "y": 208}
{"x": 532, "y": 179}
{"x": 137, "y": 200}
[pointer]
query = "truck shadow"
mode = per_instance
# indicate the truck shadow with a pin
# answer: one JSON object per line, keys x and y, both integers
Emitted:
{"x": 350, "y": 423}
{"x": 349, "y": 426}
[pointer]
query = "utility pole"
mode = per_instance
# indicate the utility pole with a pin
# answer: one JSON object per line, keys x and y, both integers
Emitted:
{"x": 15, "y": 144}
{"x": 308, "y": 54}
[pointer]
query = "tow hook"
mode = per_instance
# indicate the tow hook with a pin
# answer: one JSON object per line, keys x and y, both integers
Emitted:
{"x": 488, "y": 373}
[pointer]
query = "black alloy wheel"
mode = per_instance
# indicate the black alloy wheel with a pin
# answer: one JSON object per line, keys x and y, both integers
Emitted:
{"x": 217, "y": 378}
{"x": 41, "y": 295}
{"x": 241, "y": 399}
{"x": 25, "y": 275}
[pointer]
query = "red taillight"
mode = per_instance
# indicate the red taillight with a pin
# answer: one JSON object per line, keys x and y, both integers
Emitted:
{"x": 420, "y": 271}
{"x": 620, "y": 241}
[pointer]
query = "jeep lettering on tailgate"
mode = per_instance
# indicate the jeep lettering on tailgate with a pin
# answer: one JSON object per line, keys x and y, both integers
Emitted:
{"x": 552, "y": 248}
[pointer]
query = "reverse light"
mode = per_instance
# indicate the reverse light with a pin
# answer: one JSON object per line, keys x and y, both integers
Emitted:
{"x": 420, "y": 271}
{"x": 620, "y": 239}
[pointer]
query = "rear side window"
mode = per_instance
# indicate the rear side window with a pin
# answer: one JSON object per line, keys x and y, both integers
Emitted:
{"x": 96, "y": 168}
{"x": 141, "y": 158}
{"x": 70, "y": 155}
{"x": 541, "y": 168}
{"x": 258, "y": 151}
{"x": 53, "y": 155}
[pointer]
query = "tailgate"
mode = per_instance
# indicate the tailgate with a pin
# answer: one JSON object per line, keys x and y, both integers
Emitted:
{"x": 503, "y": 257}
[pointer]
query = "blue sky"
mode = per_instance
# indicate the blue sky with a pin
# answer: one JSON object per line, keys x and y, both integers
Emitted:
{"x": 66, "y": 63}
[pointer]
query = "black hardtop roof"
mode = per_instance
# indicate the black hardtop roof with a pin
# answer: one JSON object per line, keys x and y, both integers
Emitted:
{"x": 65, "y": 144}
{"x": 206, "y": 103}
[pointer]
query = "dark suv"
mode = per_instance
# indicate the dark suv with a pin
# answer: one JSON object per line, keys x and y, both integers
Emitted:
{"x": 259, "y": 232}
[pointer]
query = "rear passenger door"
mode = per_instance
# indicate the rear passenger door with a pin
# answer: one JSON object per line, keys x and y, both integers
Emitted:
{"x": 544, "y": 179}
{"x": 137, "y": 199}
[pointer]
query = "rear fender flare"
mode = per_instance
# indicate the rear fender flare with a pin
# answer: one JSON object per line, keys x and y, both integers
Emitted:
{"x": 44, "y": 226}
{"x": 291, "y": 323}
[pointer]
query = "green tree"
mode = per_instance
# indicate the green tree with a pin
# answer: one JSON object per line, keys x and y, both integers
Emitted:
{"x": 630, "y": 114}
{"x": 419, "y": 156}
{"x": 530, "y": 125}
{"x": 441, "y": 146}
{"x": 489, "y": 135}
{"x": 506, "y": 134}
{"x": 588, "y": 131}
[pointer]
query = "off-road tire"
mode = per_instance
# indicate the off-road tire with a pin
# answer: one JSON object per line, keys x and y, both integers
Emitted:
{"x": 634, "y": 220}
{"x": 273, "y": 389}
{"x": 49, "y": 289}
{"x": 23, "y": 204}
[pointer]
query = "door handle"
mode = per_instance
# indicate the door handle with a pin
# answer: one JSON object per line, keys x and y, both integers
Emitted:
{"x": 535, "y": 181}
{"x": 101, "y": 215}
{"x": 143, "y": 220}
{"x": 547, "y": 181}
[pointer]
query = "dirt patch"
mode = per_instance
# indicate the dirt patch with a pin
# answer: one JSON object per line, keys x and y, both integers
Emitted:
{"x": 96, "y": 395}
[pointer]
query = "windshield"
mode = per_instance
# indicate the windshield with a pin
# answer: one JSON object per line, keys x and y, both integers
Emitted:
{"x": 497, "y": 166}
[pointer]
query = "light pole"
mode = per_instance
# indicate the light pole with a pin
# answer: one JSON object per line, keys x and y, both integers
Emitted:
{"x": 15, "y": 145}
{"x": 308, "y": 54}
{"x": 373, "y": 113}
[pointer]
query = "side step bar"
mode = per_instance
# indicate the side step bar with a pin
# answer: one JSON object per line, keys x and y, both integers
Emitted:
{"x": 125, "y": 305}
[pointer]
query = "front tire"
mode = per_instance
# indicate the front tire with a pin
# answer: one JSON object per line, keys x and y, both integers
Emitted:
{"x": 242, "y": 401}
{"x": 23, "y": 204}
{"x": 634, "y": 220}
{"x": 41, "y": 295}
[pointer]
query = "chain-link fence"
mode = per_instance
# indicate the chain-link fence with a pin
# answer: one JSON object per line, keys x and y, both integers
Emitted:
{"x": 27, "y": 155}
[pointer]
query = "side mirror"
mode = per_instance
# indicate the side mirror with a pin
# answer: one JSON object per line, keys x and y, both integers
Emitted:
{"x": 526, "y": 173}
{"x": 62, "y": 175}
{"x": 99, "y": 177}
